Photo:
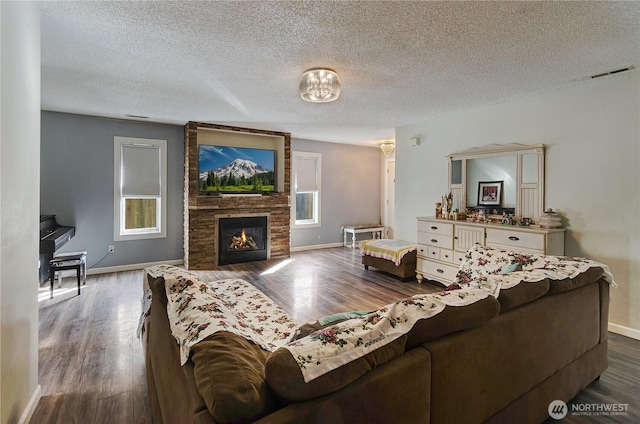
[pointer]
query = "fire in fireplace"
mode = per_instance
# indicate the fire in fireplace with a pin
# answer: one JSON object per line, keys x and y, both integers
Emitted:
{"x": 242, "y": 239}
{"x": 242, "y": 242}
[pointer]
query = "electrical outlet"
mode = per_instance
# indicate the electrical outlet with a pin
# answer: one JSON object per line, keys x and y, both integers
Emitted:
{"x": 112, "y": 248}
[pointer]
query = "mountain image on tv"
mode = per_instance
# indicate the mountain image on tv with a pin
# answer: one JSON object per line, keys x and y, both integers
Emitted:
{"x": 235, "y": 169}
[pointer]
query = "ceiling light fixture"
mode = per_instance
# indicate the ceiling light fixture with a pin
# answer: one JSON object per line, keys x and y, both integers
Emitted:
{"x": 319, "y": 85}
{"x": 387, "y": 147}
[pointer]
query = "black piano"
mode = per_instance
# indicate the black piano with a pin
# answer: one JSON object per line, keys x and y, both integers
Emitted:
{"x": 52, "y": 237}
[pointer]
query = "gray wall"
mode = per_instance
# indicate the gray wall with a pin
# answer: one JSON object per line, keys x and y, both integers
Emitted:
{"x": 350, "y": 190}
{"x": 76, "y": 184}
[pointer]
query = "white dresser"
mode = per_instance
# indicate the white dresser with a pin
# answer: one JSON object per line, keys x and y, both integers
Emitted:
{"x": 442, "y": 244}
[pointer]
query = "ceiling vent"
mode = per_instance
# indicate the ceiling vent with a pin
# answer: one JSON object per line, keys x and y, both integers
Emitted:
{"x": 617, "y": 71}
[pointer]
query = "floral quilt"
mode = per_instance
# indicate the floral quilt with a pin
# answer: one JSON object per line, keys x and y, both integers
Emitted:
{"x": 392, "y": 250}
{"x": 197, "y": 309}
{"x": 494, "y": 269}
{"x": 336, "y": 345}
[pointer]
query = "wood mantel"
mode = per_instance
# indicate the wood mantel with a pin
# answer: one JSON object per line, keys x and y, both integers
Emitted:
{"x": 202, "y": 212}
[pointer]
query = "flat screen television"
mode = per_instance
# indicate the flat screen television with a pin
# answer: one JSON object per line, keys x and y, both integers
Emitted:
{"x": 226, "y": 169}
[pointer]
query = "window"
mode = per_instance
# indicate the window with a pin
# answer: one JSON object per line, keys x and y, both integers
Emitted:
{"x": 306, "y": 189}
{"x": 140, "y": 188}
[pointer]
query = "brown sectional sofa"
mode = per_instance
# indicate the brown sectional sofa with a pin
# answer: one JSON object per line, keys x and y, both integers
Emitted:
{"x": 498, "y": 360}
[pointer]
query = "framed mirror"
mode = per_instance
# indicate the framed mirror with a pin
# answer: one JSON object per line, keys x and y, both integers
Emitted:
{"x": 506, "y": 177}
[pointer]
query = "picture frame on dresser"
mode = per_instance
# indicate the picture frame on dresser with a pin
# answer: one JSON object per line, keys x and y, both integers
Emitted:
{"x": 490, "y": 193}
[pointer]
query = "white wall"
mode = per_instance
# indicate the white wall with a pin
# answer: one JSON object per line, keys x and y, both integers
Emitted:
{"x": 19, "y": 208}
{"x": 592, "y": 171}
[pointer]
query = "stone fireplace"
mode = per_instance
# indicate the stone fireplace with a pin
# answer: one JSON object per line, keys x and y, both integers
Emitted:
{"x": 203, "y": 214}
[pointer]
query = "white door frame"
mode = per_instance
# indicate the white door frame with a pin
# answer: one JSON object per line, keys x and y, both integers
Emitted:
{"x": 388, "y": 200}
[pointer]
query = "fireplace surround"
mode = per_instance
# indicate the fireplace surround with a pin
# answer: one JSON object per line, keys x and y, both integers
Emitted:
{"x": 202, "y": 213}
{"x": 242, "y": 239}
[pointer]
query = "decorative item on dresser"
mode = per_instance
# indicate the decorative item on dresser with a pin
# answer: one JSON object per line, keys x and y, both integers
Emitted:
{"x": 443, "y": 244}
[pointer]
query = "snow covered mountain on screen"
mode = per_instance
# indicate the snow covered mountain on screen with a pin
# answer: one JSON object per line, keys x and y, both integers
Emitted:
{"x": 238, "y": 168}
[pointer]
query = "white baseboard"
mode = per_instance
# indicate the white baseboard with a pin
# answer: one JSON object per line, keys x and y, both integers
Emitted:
{"x": 624, "y": 331}
{"x": 31, "y": 406}
{"x": 315, "y": 246}
{"x": 131, "y": 267}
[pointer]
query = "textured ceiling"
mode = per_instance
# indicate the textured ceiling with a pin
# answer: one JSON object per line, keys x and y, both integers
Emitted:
{"x": 239, "y": 63}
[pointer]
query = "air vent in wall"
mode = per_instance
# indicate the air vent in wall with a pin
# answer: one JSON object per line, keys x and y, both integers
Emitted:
{"x": 617, "y": 71}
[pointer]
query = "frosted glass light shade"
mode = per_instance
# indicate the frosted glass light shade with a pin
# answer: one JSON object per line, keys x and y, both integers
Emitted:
{"x": 319, "y": 86}
{"x": 387, "y": 148}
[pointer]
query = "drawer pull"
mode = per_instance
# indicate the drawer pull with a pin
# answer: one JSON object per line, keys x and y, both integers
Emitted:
{"x": 434, "y": 241}
{"x": 433, "y": 227}
{"x": 440, "y": 271}
{"x": 514, "y": 238}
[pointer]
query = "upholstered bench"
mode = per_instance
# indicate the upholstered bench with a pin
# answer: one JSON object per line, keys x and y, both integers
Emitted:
{"x": 393, "y": 256}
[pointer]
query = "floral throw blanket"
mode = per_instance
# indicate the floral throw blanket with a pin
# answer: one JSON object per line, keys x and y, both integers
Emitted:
{"x": 197, "y": 309}
{"x": 334, "y": 346}
{"x": 495, "y": 269}
{"x": 392, "y": 250}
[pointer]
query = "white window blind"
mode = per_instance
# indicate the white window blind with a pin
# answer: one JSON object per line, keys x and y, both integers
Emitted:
{"x": 139, "y": 188}
{"x": 141, "y": 170}
{"x": 307, "y": 181}
{"x": 306, "y": 174}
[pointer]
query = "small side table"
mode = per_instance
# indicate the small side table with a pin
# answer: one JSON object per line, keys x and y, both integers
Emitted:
{"x": 376, "y": 230}
{"x": 71, "y": 260}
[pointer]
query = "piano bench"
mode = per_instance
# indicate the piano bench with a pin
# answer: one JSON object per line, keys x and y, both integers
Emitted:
{"x": 71, "y": 260}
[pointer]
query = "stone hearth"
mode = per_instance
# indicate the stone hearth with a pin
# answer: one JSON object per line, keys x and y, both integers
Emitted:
{"x": 201, "y": 213}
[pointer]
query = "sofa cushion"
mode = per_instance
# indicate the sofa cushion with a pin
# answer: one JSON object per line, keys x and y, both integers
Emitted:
{"x": 589, "y": 276}
{"x": 452, "y": 319}
{"x": 229, "y": 373}
{"x": 521, "y": 294}
{"x": 287, "y": 382}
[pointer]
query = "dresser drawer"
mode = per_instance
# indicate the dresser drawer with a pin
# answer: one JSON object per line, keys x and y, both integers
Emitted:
{"x": 444, "y": 255}
{"x": 518, "y": 249}
{"x": 443, "y": 228}
{"x": 436, "y": 240}
{"x": 423, "y": 250}
{"x": 433, "y": 253}
{"x": 529, "y": 241}
{"x": 437, "y": 271}
{"x": 458, "y": 257}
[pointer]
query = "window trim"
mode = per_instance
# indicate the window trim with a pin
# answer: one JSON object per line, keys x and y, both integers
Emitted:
{"x": 118, "y": 199}
{"x": 311, "y": 223}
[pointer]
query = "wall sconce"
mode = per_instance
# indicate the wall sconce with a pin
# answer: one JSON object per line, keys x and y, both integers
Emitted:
{"x": 387, "y": 148}
{"x": 414, "y": 141}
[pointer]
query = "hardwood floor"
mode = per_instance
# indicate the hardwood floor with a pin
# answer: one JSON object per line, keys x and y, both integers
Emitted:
{"x": 91, "y": 364}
